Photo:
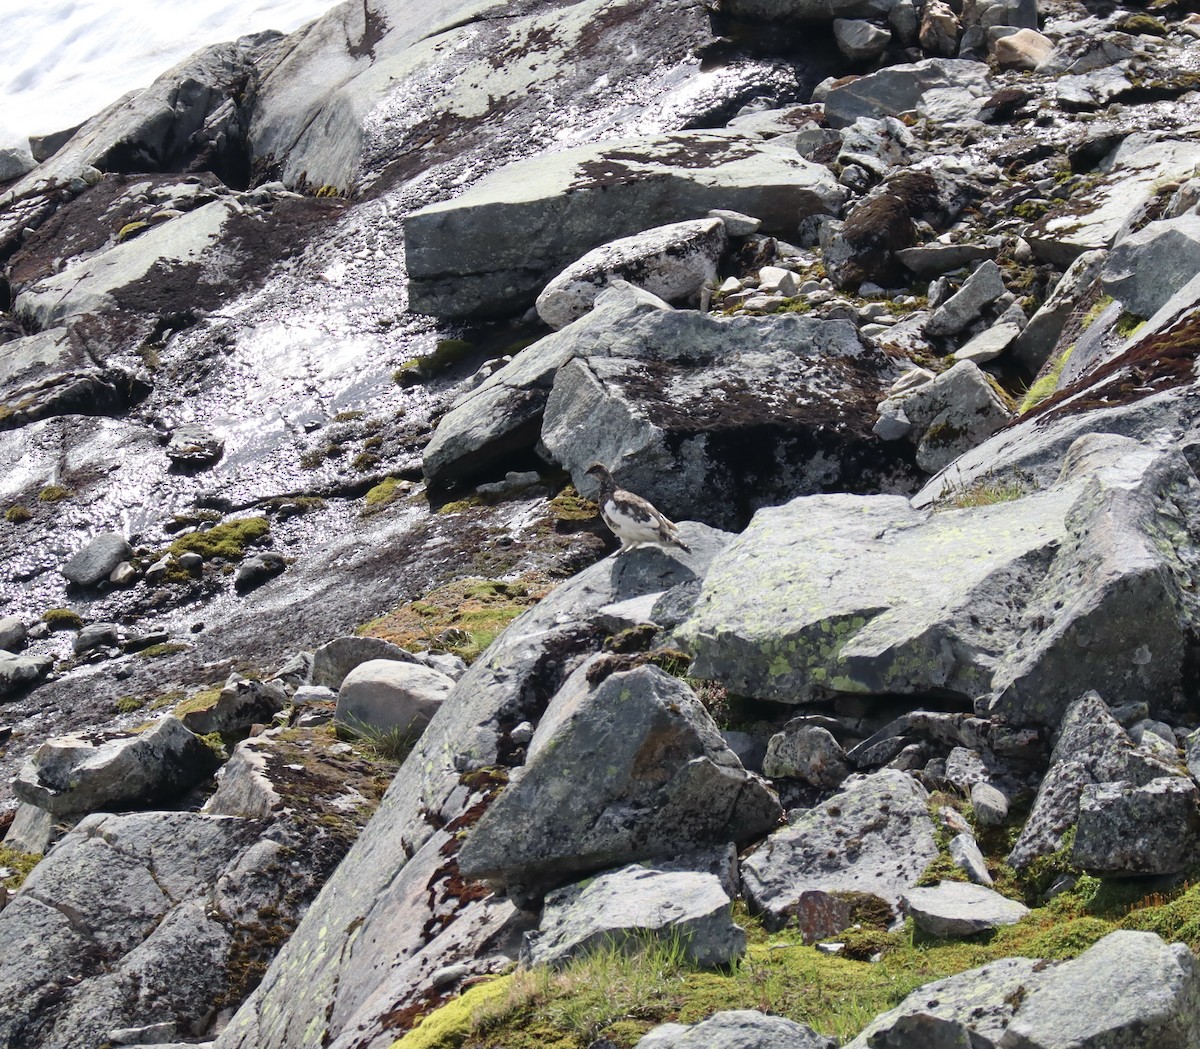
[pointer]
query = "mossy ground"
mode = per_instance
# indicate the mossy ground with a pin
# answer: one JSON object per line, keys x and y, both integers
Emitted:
{"x": 62, "y": 619}
{"x": 618, "y": 996}
{"x": 462, "y": 617}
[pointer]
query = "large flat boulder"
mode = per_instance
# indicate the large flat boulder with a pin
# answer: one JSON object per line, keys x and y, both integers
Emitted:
{"x": 1145, "y": 269}
{"x": 954, "y": 908}
{"x": 737, "y": 1029}
{"x": 875, "y": 837}
{"x": 490, "y": 250}
{"x": 632, "y": 769}
{"x": 836, "y": 594}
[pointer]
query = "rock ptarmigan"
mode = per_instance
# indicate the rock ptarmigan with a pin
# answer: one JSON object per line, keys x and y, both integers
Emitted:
{"x": 632, "y": 519}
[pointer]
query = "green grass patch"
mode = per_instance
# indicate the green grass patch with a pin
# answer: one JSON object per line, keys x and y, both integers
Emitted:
{"x": 167, "y": 648}
{"x": 984, "y": 492}
{"x": 1129, "y": 324}
{"x": 128, "y": 704}
{"x": 62, "y": 619}
{"x": 227, "y": 541}
{"x": 462, "y": 617}
{"x": 392, "y": 745}
{"x": 387, "y": 491}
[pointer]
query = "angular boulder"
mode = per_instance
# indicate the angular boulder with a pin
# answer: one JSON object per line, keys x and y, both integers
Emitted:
{"x": 808, "y": 753}
{"x": 904, "y": 88}
{"x": 489, "y": 250}
{"x": 631, "y": 770}
{"x": 954, "y": 908}
{"x": 1125, "y": 829}
{"x": 634, "y": 905}
{"x": 335, "y": 659}
{"x": 801, "y": 874}
{"x": 1146, "y": 268}
{"x": 74, "y": 774}
{"x": 388, "y": 696}
{"x": 964, "y": 307}
{"x": 239, "y": 705}
{"x": 1092, "y": 748}
{"x": 18, "y": 673}
{"x": 970, "y": 1009}
{"x": 1002, "y": 599}
{"x": 1129, "y": 991}
{"x": 672, "y": 262}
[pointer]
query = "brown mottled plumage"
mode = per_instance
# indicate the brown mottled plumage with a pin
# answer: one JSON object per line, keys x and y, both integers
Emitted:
{"x": 632, "y": 519}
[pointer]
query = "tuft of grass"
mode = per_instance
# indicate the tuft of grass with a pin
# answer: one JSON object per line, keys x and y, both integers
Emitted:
{"x": 62, "y": 619}
{"x": 1047, "y": 384}
{"x": 383, "y": 744}
{"x": 54, "y": 493}
{"x": 17, "y": 515}
{"x": 128, "y": 704}
{"x": 227, "y": 541}
{"x": 462, "y": 617}
{"x": 984, "y": 492}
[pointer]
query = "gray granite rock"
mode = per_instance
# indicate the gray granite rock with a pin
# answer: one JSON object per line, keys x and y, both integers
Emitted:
{"x": 240, "y": 704}
{"x": 798, "y": 875}
{"x": 390, "y": 696}
{"x": 902, "y": 88}
{"x": 954, "y": 908}
{"x": 632, "y": 769}
{"x": 95, "y": 562}
{"x": 963, "y": 308}
{"x": 737, "y": 1029}
{"x": 808, "y": 753}
{"x": 634, "y": 905}
{"x": 1125, "y": 829}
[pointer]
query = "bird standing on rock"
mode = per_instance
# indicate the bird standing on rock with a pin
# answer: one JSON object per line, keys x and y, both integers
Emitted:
{"x": 632, "y": 519}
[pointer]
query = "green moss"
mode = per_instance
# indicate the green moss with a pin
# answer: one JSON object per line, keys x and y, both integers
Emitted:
{"x": 365, "y": 461}
{"x": 54, "y": 493}
{"x": 449, "y": 1026}
{"x": 131, "y": 230}
{"x": 216, "y": 744}
{"x": 1047, "y": 384}
{"x": 128, "y": 704}
{"x": 62, "y": 619}
{"x": 462, "y": 617}
{"x": 1098, "y": 308}
{"x": 448, "y": 353}
{"x": 20, "y": 863}
{"x": 387, "y": 491}
{"x": 227, "y": 541}
{"x": 325, "y": 192}
{"x": 17, "y": 515}
{"x": 942, "y": 433}
{"x": 1129, "y": 324}
{"x": 167, "y": 648}
{"x": 1031, "y": 210}
{"x": 205, "y": 699}
{"x": 348, "y": 417}
{"x": 569, "y": 505}
{"x": 457, "y": 506}
{"x": 1140, "y": 25}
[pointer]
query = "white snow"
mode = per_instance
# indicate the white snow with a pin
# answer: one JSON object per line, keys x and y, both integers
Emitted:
{"x": 61, "y": 61}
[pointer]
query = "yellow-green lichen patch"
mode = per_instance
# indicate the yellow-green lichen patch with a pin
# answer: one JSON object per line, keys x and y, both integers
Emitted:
{"x": 449, "y": 1026}
{"x": 569, "y": 506}
{"x": 54, "y": 493}
{"x": 227, "y": 541}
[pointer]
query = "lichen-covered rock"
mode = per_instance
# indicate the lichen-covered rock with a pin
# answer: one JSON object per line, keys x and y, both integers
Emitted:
{"x": 239, "y": 705}
{"x": 875, "y": 837}
{"x": 634, "y": 905}
{"x": 971, "y": 1009}
{"x": 898, "y": 89}
{"x": 75, "y": 774}
{"x": 630, "y": 770}
{"x": 1129, "y": 991}
{"x": 999, "y": 599}
{"x": 1126, "y": 829}
{"x": 808, "y": 753}
{"x": 490, "y": 249}
{"x": 954, "y": 908}
{"x": 672, "y": 262}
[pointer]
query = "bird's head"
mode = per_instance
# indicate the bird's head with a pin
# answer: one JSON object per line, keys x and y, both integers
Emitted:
{"x": 599, "y": 472}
